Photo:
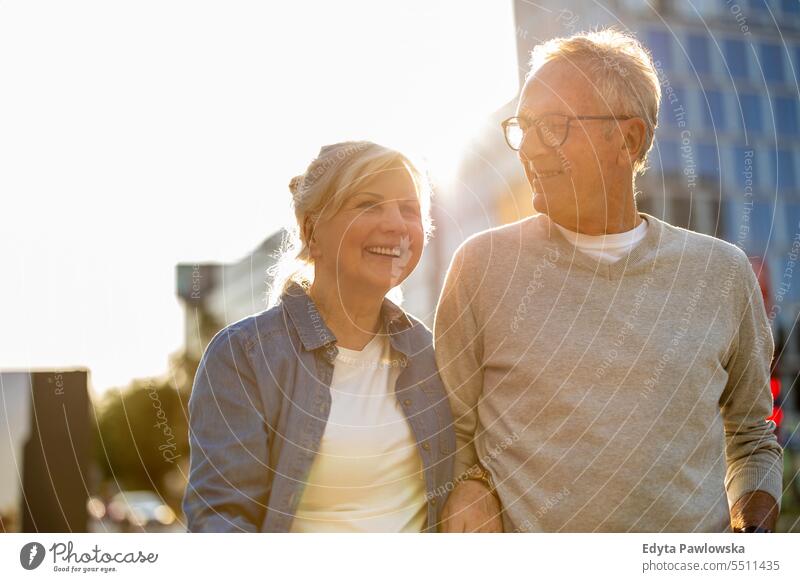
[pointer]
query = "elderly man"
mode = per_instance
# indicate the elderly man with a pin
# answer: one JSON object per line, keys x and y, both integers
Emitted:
{"x": 608, "y": 371}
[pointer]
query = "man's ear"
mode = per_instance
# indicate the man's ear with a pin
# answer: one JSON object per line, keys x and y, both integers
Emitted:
{"x": 633, "y": 133}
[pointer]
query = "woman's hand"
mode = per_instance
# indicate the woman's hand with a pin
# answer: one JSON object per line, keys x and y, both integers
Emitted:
{"x": 472, "y": 507}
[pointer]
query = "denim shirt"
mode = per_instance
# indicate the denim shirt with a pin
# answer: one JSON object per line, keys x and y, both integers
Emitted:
{"x": 260, "y": 403}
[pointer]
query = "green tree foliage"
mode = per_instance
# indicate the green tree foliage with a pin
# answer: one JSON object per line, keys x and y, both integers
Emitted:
{"x": 142, "y": 430}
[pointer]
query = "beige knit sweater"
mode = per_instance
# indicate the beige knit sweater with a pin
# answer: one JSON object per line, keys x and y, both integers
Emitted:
{"x": 621, "y": 397}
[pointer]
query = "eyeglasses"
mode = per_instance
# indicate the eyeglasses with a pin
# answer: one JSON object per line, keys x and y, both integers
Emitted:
{"x": 553, "y": 129}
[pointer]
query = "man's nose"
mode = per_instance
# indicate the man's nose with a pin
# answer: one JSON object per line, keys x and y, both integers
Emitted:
{"x": 532, "y": 145}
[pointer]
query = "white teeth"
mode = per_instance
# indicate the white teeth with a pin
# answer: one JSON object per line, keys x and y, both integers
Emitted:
{"x": 389, "y": 251}
{"x": 541, "y": 174}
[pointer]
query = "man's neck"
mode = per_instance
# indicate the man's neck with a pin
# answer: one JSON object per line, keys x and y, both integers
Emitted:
{"x": 600, "y": 228}
{"x": 621, "y": 215}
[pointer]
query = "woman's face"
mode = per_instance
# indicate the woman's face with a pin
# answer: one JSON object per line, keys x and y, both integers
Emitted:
{"x": 375, "y": 239}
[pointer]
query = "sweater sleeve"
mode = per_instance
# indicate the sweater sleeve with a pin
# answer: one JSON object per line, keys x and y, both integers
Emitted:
{"x": 754, "y": 457}
{"x": 459, "y": 357}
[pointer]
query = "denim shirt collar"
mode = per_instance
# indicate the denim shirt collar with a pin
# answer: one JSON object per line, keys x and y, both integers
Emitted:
{"x": 314, "y": 334}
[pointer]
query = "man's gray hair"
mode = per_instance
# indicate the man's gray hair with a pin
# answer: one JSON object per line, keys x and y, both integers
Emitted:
{"x": 621, "y": 70}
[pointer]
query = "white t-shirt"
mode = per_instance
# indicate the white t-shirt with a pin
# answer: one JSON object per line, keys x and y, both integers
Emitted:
{"x": 606, "y": 248}
{"x": 367, "y": 475}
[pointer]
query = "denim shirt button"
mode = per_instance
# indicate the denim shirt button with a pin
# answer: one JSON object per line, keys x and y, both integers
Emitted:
{"x": 433, "y": 501}
{"x": 407, "y": 402}
{"x": 426, "y": 446}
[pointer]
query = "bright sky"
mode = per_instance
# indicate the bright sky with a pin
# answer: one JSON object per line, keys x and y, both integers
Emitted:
{"x": 136, "y": 135}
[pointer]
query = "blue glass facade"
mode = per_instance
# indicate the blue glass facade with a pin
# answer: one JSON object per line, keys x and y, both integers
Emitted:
{"x": 771, "y": 61}
{"x": 786, "y": 115}
{"x": 750, "y": 112}
{"x": 699, "y": 53}
{"x": 738, "y": 98}
{"x": 715, "y": 119}
{"x": 735, "y": 58}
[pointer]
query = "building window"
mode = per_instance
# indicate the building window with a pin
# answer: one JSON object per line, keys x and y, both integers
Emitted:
{"x": 783, "y": 169}
{"x": 762, "y": 226}
{"x": 750, "y": 113}
{"x": 680, "y": 213}
{"x": 786, "y": 115}
{"x": 707, "y": 160}
{"x": 660, "y": 45}
{"x": 735, "y": 53}
{"x": 797, "y": 61}
{"x": 713, "y": 102}
{"x": 760, "y": 5}
{"x": 790, "y": 6}
{"x": 665, "y": 156}
{"x": 675, "y": 109}
{"x": 771, "y": 56}
{"x": 750, "y": 226}
{"x": 792, "y": 293}
{"x": 745, "y": 169}
{"x": 792, "y": 213}
{"x": 699, "y": 59}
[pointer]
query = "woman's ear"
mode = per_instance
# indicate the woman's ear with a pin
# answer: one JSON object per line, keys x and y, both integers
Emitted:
{"x": 310, "y": 237}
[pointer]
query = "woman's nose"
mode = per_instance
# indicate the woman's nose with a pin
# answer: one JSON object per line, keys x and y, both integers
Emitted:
{"x": 392, "y": 219}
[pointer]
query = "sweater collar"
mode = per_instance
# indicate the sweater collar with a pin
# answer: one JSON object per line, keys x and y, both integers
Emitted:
{"x": 639, "y": 258}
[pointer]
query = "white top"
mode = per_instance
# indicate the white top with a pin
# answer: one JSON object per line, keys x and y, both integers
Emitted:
{"x": 606, "y": 248}
{"x": 367, "y": 475}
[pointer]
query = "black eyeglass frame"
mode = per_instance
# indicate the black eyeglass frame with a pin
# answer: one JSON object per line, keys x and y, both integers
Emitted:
{"x": 569, "y": 118}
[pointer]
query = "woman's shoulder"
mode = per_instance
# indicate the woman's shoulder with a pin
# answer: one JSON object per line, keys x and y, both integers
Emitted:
{"x": 254, "y": 328}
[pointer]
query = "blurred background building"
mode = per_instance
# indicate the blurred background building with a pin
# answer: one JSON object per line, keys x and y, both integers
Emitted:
{"x": 215, "y": 295}
{"x": 45, "y": 451}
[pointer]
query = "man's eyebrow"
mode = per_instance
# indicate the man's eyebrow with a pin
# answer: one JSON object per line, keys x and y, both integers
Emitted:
{"x": 525, "y": 112}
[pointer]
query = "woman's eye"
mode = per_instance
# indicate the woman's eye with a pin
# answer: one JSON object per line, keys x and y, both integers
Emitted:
{"x": 366, "y": 205}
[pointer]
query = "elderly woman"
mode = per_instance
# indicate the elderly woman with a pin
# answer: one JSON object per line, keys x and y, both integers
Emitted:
{"x": 326, "y": 412}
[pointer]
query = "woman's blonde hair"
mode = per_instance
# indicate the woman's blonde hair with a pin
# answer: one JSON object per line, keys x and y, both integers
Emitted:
{"x": 336, "y": 173}
{"x": 620, "y": 69}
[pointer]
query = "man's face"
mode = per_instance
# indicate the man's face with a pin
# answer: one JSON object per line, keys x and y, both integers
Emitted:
{"x": 570, "y": 182}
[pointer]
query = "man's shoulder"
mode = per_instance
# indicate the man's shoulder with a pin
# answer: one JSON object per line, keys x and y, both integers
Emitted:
{"x": 692, "y": 244}
{"x": 505, "y": 236}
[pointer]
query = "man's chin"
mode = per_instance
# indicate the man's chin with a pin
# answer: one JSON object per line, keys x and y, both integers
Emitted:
{"x": 540, "y": 203}
{"x": 558, "y": 215}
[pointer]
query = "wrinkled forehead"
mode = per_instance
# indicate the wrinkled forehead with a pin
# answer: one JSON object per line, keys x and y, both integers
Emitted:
{"x": 560, "y": 86}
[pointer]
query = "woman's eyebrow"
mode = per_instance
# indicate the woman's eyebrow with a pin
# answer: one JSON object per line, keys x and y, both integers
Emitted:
{"x": 368, "y": 193}
{"x": 412, "y": 198}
